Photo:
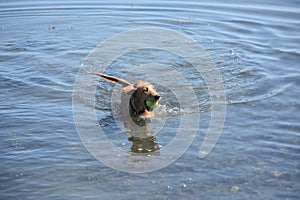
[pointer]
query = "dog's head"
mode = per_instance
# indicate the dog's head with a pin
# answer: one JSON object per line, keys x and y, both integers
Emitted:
{"x": 143, "y": 92}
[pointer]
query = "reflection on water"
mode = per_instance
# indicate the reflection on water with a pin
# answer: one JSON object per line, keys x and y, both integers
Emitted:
{"x": 141, "y": 137}
{"x": 144, "y": 145}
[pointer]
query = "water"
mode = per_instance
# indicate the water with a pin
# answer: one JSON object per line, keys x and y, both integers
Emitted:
{"x": 254, "y": 45}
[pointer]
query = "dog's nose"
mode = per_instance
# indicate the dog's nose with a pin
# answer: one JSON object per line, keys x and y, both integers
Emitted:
{"x": 157, "y": 97}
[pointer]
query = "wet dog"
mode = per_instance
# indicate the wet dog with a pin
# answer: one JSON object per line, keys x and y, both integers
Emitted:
{"x": 137, "y": 100}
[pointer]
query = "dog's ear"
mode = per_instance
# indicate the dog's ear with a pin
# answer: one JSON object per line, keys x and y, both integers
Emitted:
{"x": 129, "y": 89}
{"x": 112, "y": 79}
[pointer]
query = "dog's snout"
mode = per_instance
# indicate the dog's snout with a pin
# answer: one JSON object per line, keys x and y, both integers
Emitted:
{"x": 157, "y": 97}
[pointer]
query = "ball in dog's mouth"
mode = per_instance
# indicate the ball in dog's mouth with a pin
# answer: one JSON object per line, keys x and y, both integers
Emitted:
{"x": 151, "y": 104}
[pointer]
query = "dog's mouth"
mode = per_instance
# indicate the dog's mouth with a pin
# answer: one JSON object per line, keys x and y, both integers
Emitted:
{"x": 150, "y": 104}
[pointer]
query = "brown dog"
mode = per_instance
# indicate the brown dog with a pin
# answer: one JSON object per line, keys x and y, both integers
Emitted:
{"x": 137, "y": 99}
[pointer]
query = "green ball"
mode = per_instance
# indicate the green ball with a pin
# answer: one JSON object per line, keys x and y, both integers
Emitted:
{"x": 151, "y": 104}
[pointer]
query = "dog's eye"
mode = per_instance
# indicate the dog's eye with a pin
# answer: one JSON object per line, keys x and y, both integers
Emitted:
{"x": 145, "y": 90}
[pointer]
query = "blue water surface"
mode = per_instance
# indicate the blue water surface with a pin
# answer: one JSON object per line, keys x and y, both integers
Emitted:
{"x": 255, "y": 46}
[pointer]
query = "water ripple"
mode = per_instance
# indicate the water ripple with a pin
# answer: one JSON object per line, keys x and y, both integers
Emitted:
{"x": 254, "y": 44}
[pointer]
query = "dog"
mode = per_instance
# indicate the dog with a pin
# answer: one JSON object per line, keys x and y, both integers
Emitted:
{"x": 137, "y": 100}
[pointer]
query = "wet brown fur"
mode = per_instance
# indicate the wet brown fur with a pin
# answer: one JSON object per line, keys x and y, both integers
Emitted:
{"x": 135, "y": 95}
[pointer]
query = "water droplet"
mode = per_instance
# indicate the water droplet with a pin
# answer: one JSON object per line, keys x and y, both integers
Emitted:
{"x": 70, "y": 28}
{"x": 140, "y": 149}
{"x": 51, "y": 27}
{"x": 276, "y": 174}
{"x": 234, "y": 188}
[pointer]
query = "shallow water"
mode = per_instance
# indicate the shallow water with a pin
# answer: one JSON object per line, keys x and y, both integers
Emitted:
{"x": 254, "y": 45}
